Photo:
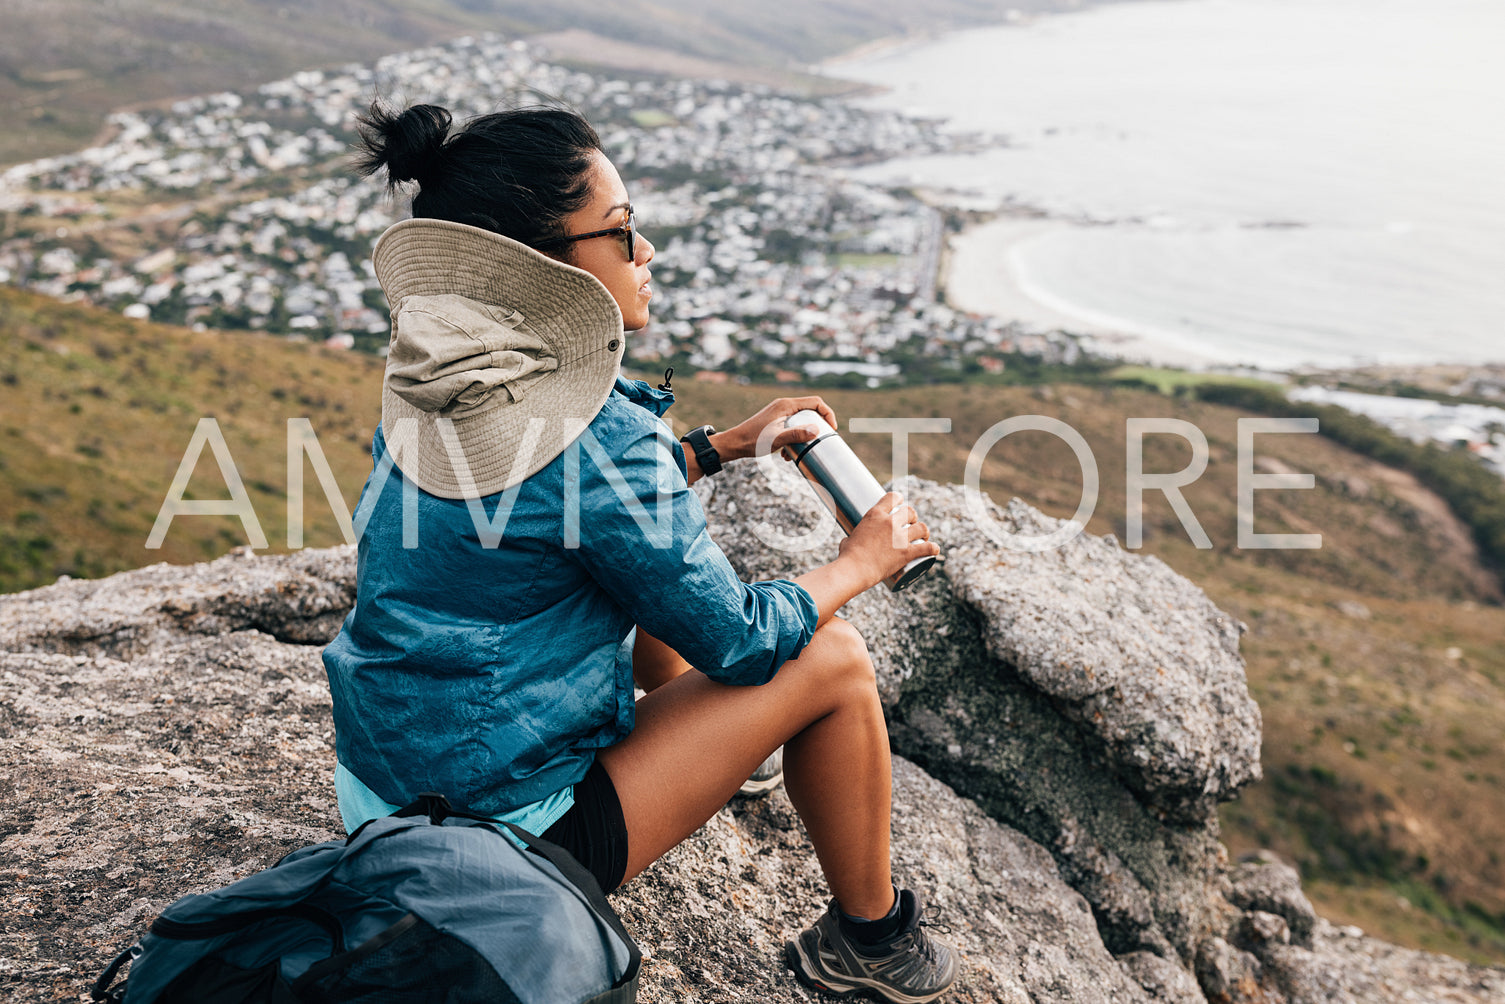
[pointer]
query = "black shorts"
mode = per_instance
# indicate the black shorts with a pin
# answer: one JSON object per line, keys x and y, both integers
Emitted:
{"x": 593, "y": 830}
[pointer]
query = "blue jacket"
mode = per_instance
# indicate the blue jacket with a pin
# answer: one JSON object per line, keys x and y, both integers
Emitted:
{"x": 487, "y": 659}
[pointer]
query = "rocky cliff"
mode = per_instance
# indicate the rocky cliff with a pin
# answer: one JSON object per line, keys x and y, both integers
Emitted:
{"x": 1065, "y": 723}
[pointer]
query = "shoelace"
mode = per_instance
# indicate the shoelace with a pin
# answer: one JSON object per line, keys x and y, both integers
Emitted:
{"x": 938, "y": 925}
{"x": 926, "y": 943}
{"x": 918, "y": 939}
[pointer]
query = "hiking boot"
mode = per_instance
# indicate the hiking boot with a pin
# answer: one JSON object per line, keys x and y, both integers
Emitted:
{"x": 909, "y": 968}
{"x": 768, "y": 776}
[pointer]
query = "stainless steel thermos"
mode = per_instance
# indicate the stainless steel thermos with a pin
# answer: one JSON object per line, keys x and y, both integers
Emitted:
{"x": 844, "y": 484}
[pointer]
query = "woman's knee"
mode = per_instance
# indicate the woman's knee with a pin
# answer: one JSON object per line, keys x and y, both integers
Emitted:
{"x": 844, "y": 652}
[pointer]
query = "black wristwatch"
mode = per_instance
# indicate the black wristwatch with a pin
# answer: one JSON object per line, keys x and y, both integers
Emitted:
{"x": 700, "y": 444}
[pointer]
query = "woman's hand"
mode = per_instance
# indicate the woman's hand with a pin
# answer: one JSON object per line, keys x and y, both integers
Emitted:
{"x": 765, "y": 432}
{"x": 889, "y": 537}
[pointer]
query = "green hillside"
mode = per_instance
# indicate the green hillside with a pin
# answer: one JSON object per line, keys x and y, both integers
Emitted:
{"x": 1377, "y": 660}
{"x": 97, "y": 411}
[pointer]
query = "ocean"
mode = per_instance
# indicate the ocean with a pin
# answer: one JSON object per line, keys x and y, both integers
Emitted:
{"x": 1269, "y": 182}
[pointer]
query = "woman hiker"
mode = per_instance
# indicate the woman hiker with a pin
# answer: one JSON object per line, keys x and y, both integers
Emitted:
{"x": 530, "y": 545}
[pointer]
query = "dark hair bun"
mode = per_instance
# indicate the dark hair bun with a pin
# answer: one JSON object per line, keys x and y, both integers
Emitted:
{"x": 409, "y": 144}
{"x": 518, "y": 172}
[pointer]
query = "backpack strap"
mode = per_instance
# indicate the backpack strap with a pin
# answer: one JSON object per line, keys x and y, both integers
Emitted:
{"x": 101, "y": 990}
{"x": 438, "y": 808}
{"x": 587, "y": 884}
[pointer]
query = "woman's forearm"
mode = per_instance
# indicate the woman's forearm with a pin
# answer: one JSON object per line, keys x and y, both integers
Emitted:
{"x": 832, "y": 585}
{"x": 719, "y": 440}
{"x": 889, "y": 536}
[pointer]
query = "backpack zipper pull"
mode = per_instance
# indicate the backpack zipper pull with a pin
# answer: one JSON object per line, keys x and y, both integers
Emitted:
{"x": 668, "y": 375}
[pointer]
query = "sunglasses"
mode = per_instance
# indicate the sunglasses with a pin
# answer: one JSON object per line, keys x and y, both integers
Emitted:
{"x": 628, "y": 230}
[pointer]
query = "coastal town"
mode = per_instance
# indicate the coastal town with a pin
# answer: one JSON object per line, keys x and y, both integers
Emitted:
{"x": 771, "y": 264}
{"x": 774, "y": 263}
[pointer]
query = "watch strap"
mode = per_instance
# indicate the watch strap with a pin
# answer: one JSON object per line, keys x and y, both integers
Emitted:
{"x": 706, "y": 456}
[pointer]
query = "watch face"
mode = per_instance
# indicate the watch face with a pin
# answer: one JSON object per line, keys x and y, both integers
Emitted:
{"x": 706, "y": 456}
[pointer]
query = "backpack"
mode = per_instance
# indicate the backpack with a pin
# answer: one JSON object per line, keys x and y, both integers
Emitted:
{"x": 424, "y": 905}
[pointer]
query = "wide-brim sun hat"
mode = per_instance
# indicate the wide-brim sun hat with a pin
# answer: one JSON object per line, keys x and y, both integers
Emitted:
{"x": 500, "y": 356}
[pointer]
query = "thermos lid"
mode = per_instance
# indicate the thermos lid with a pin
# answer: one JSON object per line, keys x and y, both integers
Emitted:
{"x": 808, "y": 417}
{"x": 911, "y": 571}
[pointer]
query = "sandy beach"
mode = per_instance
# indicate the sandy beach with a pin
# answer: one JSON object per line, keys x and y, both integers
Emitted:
{"x": 1225, "y": 229}
{"x": 985, "y": 274}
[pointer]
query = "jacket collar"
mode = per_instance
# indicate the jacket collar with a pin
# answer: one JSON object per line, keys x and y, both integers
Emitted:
{"x": 644, "y": 396}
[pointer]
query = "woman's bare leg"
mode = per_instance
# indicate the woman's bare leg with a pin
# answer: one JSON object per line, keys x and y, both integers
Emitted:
{"x": 708, "y": 737}
{"x": 655, "y": 663}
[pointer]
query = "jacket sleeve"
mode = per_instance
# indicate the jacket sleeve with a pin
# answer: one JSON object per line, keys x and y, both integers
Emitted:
{"x": 641, "y": 534}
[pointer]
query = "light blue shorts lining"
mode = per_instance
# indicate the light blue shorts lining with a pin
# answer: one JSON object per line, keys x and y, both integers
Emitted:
{"x": 359, "y": 803}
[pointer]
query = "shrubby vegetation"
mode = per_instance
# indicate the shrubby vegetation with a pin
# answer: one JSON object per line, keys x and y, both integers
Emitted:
{"x": 1475, "y": 494}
